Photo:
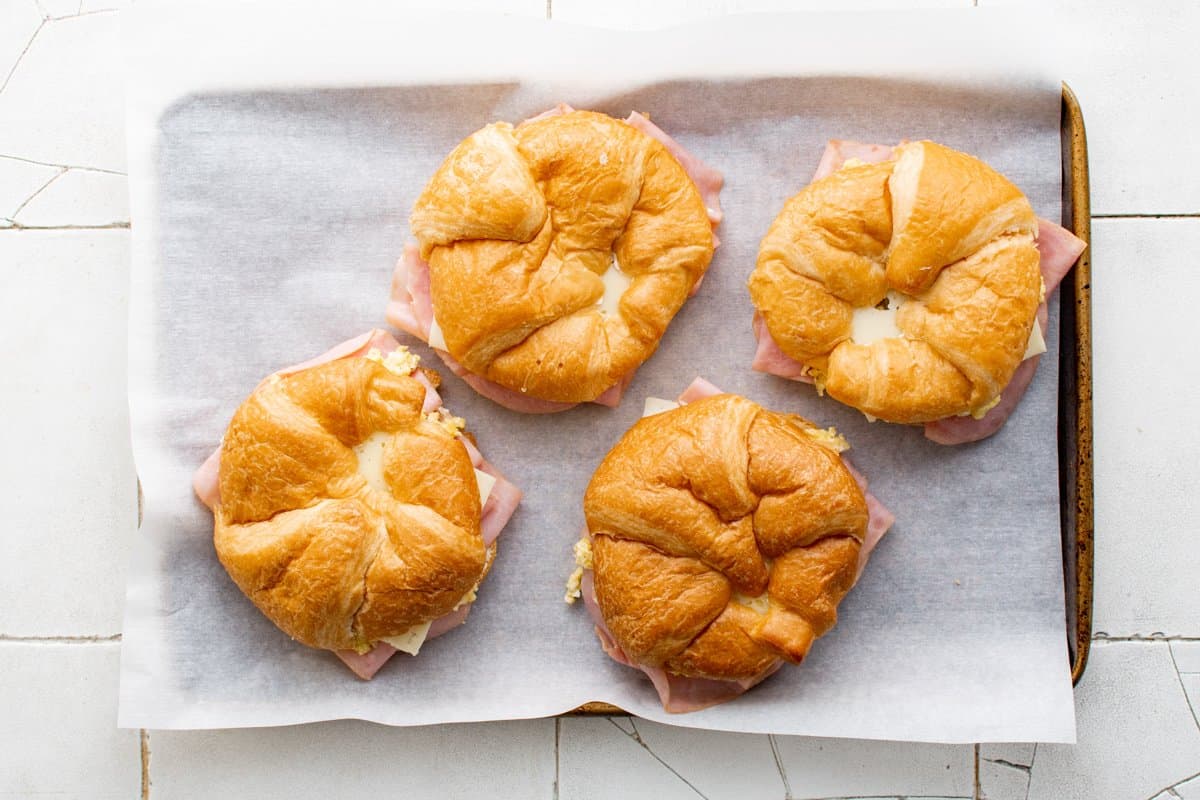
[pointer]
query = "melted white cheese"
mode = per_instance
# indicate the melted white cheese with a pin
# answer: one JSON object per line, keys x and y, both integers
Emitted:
{"x": 760, "y": 604}
{"x": 656, "y": 405}
{"x": 869, "y": 325}
{"x": 486, "y": 482}
{"x": 437, "y": 339}
{"x": 411, "y": 640}
{"x": 615, "y": 284}
{"x": 370, "y": 461}
{"x": 1037, "y": 344}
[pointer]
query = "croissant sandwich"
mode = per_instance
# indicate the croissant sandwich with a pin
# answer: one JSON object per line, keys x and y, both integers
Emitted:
{"x": 349, "y": 506}
{"x": 909, "y": 283}
{"x": 720, "y": 539}
{"x": 551, "y": 256}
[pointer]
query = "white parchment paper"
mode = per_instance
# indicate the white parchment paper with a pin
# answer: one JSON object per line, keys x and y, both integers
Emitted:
{"x": 275, "y": 152}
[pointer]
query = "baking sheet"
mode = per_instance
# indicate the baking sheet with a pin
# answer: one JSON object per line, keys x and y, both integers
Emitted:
{"x": 270, "y": 198}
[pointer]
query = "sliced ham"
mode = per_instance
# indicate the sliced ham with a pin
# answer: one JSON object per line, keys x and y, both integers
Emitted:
{"x": 839, "y": 151}
{"x": 502, "y": 502}
{"x": 365, "y": 665}
{"x": 410, "y": 306}
{"x": 681, "y": 694}
{"x": 707, "y": 179}
{"x": 1059, "y": 250}
{"x": 698, "y": 389}
{"x": 678, "y": 694}
{"x": 770, "y": 359}
{"x": 879, "y": 517}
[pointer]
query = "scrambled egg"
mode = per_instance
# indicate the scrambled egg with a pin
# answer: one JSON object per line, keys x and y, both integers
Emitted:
{"x": 449, "y": 423}
{"x": 982, "y": 411}
{"x": 583, "y": 560}
{"x": 828, "y": 437}
{"x": 401, "y": 361}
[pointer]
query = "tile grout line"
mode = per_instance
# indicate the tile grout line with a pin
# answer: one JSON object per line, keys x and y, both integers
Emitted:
{"x": 21, "y": 57}
{"x": 112, "y": 226}
{"x": 5, "y": 638}
{"x": 1029, "y": 783}
{"x": 1173, "y": 785}
{"x": 1144, "y": 637}
{"x": 557, "y": 758}
{"x": 13, "y": 216}
{"x": 65, "y": 166}
{"x": 787, "y": 786}
{"x": 145, "y": 751}
{"x": 637, "y": 737}
{"x": 1178, "y": 677}
{"x": 1167, "y": 215}
{"x": 79, "y": 14}
{"x": 978, "y": 794}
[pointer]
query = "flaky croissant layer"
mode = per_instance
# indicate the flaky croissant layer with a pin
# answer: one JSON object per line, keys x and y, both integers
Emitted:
{"x": 723, "y": 537}
{"x": 526, "y": 228}
{"x": 938, "y": 239}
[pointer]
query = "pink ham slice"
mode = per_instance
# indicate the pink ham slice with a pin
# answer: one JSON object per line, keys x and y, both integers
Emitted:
{"x": 680, "y": 694}
{"x": 496, "y": 512}
{"x": 1059, "y": 250}
{"x": 410, "y": 307}
{"x": 205, "y": 481}
{"x": 365, "y": 665}
{"x": 770, "y": 359}
{"x": 707, "y": 179}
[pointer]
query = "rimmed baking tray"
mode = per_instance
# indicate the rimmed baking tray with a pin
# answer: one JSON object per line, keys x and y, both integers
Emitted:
{"x": 1074, "y": 403}
{"x": 1075, "y": 391}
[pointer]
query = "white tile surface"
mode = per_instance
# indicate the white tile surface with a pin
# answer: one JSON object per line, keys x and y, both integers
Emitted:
{"x": 719, "y": 765}
{"x": 59, "y": 8}
{"x": 21, "y": 19}
{"x": 1188, "y": 790}
{"x": 1191, "y": 688}
{"x": 599, "y": 760}
{"x": 1145, "y": 382}
{"x": 640, "y": 15}
{"x": 58, "y": 724}
{"x": 1187, "y": 656}
{"x": 1136, "y": 735}
{"x": 1136, "y": 74}
{"x": 64, "y": 103}
{"x": 19, "y": 180}
{"x": 69, "y": 499}
{"x": 1002, "y": 782}
{"x": 356, "y": 759}
{"x": 846, "y": 767}
{"x": 79, "y": 197}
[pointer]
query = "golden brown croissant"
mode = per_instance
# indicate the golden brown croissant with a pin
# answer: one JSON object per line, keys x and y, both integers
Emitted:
{"x": 558, "y": 252}
{"x": 348, "y": 507}
{"x": 908, "y": 288}
{"x": 723, "y": 536}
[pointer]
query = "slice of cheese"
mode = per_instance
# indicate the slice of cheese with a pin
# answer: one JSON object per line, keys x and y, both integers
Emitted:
{"x": 869, "y": 325}
{"x": 486, "y": 482}
{"x": 370, "y": 460}
{"x": 656, "y": 405}
{"x": 437, "y": 339}
{"x": 411, "y": 640}
{"x": 1037, "y": 343}
{"x": 615, "y": 284}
